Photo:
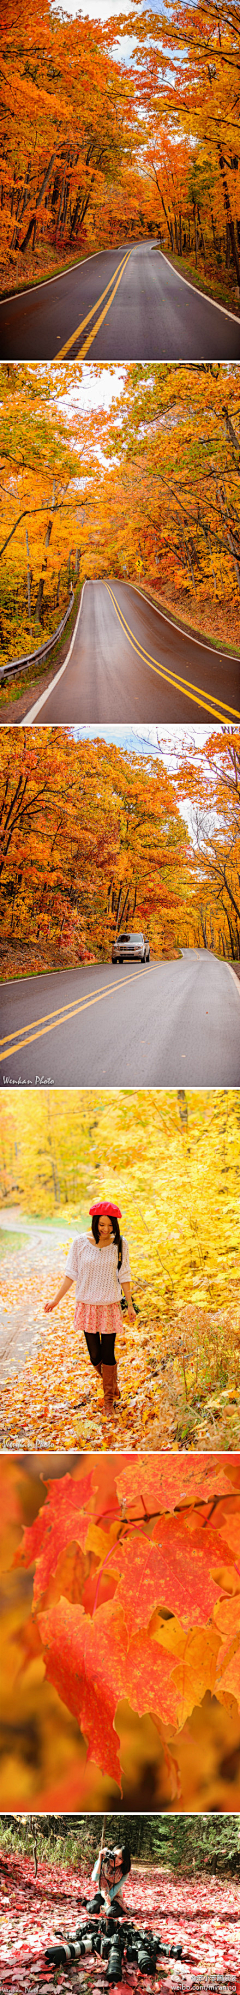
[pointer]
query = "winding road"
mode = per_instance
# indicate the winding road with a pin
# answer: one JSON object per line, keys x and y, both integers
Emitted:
{"x": 120, "y": 304}
{"x": 128, "y": 662}
{"x": 156, "y": 1025}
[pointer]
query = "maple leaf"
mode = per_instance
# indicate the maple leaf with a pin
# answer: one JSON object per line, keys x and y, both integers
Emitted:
{"x": 170, "y": 1631}
{"x": 230, "y": 1676}
{"x": 177, "y": 1572}
{"x": 93, "y": 1666}
{"x": 149, "y": 1680}
{"x": 85, "y": 1659}
{"x": 227, "y": 1620}
{"x": 61, "y": 1521}
{"x": 162, "y": 1484}
{"x": 230, "y": 1528}
{"x": 196, "y": 1655}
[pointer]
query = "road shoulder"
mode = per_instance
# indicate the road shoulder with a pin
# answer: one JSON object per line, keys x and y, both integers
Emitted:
{"x": 16, "y": 710}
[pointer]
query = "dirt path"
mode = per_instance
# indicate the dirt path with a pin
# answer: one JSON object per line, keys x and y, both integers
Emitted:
{"x": 21, "y": 1327}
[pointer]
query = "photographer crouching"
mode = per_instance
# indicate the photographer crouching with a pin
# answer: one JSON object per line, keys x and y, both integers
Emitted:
{"x": 109, "y": 1872}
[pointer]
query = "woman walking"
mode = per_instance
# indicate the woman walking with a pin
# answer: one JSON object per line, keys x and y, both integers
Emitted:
{"x": 99, "y": 1264}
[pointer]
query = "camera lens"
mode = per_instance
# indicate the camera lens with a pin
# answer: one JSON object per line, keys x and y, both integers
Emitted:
{"x": 114, "y": 1970}
{"x": 56, "y": 1956}
{"x": 146, "y": 1960}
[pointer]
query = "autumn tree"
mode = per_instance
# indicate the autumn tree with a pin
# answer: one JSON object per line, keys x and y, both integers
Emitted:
{"x": 213, "y": 782}
{"x": 177, "y": 439}
{"x": 41, "y": 506}
{"x": 72, "y": 131}
{"x": 96, "y": 149}
{"x": 91, "y": 838}
{"x": 193, "y": 101}
{"x": 148, "y": 490}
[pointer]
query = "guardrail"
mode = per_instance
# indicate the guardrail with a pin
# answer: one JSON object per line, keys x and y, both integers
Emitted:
{"x": 19, "y": 664}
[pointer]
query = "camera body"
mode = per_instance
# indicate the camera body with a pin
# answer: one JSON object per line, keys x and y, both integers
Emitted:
{"x": 110, "y": 1939}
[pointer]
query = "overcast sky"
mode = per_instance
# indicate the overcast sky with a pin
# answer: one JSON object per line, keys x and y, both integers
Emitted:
{"x": 103, "y": 10}
{"x": 169, "y": 741}
{"x": 96, "y": 390}
{"x": 97, "y": 10}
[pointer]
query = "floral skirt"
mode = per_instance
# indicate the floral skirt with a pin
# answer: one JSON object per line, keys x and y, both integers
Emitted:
{"x": 103, "y": 1319}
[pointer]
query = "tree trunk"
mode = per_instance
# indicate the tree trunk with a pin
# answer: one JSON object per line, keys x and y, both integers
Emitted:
{"x": 229, "y": 215}
{"x": 195, "y": 234}
{"x": 31, "y": 231}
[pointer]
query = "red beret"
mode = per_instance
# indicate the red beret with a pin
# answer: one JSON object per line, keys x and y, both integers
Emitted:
{"x": 103, "y": 1205}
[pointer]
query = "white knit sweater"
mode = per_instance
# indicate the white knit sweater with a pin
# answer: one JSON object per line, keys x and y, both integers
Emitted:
{"x": 95, "y": 1270}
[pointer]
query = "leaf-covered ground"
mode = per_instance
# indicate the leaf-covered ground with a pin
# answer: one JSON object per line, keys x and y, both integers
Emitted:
{"x": 202, "y": 1913}
{"x": 210, "y": 619}
{"x": 165, "y": 1401}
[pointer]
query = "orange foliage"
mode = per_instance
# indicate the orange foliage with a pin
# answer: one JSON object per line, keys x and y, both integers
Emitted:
{"x": 110, "y": 1669}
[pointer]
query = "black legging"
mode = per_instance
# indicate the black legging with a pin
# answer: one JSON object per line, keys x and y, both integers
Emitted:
{"x": 101, "y": 1349}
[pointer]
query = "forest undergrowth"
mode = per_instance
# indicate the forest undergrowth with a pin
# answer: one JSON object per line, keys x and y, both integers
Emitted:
{"x": 218, "y": 622}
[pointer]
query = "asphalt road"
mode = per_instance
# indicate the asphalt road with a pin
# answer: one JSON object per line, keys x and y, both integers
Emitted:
{"x": 121, "y": 304}
{"x": 133, "y": 1026}
{"x": 129, "y": 663}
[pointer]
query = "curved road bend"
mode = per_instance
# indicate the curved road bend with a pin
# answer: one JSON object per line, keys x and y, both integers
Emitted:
{"x": 121, "y": 304}
{"x": 134, "y": 1026}
{"x": 129, "y": 663}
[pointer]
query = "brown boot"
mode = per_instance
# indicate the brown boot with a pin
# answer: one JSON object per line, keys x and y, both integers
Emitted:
{"x": 116, "y": 1393}
{"x": 108, "y": 1383}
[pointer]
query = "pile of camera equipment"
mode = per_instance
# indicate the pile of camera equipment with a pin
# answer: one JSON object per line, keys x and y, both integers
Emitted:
{"x": 114, "y": 1943}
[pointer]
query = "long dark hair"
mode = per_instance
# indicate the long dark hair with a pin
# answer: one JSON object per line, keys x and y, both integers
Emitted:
{"x": 115, "y": 1230}
{"x": 126, "y": 1858}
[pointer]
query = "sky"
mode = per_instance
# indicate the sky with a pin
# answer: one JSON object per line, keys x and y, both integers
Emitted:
{"x": 95, "y": 10}
{"x": 97, "y": 390}
{"x": 105, "y": 10}
{"x": 149, "y": 741}
{"x": 99, "y": 10}
{"x": 146, "y": 738}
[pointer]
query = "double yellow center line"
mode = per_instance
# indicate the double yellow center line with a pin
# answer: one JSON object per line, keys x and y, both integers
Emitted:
{"x": 77, "y": 335}
{"x": 25, "y": 1034}
{"x": 207, "y": 701}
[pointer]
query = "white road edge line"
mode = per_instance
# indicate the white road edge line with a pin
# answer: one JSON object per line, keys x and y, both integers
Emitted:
{"x": 200, "y": 294}
{"x": 232, "y": 655}
{"x": 42, "y": 973}
{"x": 29, "y": 717}
{"x": 59, "y": 274}
{"x": 232, "y": 973}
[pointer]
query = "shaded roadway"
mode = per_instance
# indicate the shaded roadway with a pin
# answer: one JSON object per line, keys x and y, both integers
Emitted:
{"x": 152, "y": 314}
{"x": 160, "y": 1025}
{"x": 128, "y": 663}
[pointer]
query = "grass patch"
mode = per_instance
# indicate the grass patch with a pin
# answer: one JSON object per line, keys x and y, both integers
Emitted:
{"x": 23, "y": 960}
{"x": 191, "y": 629}
{"x": 11, "y": 1241}
{"x": 13, "y": 289}
{"x": 35, "y": 277}
{"x": 52, "y": 1847}
{"x": 218, "y": 289}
